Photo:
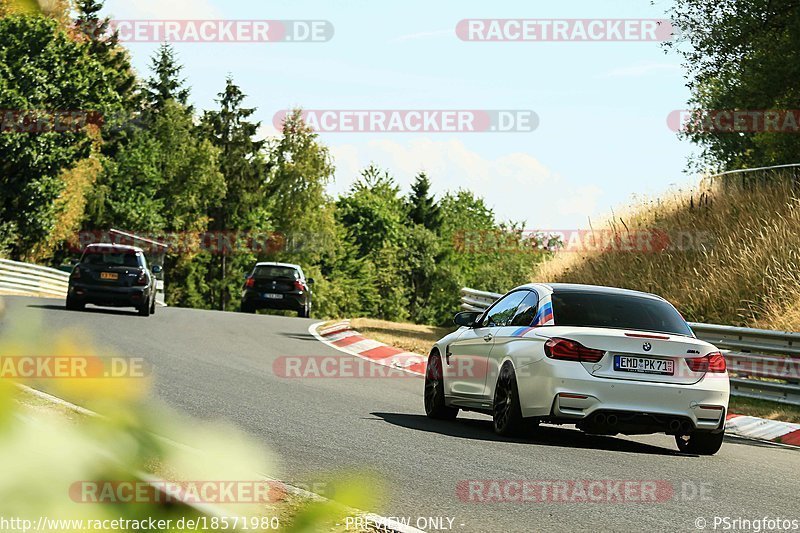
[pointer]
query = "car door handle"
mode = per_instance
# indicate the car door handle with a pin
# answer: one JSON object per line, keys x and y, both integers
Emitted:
{"x": 488, "y": 337}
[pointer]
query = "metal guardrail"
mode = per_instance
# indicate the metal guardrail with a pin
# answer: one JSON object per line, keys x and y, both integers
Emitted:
{"x": 34, "y": 280}
{"x": 764, "y": 364}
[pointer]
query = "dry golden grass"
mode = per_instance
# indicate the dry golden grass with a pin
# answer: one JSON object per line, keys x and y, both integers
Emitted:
{"x": 410, "y": 337}
{"x": 743, "y": 265}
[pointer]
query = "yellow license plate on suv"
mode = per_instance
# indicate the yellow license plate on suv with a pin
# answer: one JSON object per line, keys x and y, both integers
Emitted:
{"x": 109, "y": 275}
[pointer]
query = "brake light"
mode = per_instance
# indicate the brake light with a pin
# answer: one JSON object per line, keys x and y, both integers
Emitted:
{"x": 299, "y": 285}
{"x": 713, "y": 363}
{"x": 250, "y": 283}
{"x": 647, "y": 336}
{"x": 76, "y": 274}
{"x": 142, "y": 280}
{"x": 567, "y": 350}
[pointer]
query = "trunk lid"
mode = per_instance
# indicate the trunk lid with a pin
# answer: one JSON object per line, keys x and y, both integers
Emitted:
{"x": 274, "y": 285}
{"x": 637, "y": 355}
{"x": 110, "y": 275}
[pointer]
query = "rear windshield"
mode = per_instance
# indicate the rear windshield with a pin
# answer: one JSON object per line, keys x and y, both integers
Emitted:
{"x": 276, "y": 272}
{"x": 618, "y": 311}
{"x": 110, "y": 258}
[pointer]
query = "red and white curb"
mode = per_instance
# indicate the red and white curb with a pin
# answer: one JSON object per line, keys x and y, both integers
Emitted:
{"x": 341, "y": 337}
{"x": 752, "y": 427}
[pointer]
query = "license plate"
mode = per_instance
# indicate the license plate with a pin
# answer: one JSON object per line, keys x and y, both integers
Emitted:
{"x": 644, "y": 365}
{"x": 109, "y": 275}
{"x": 272, "y": 296}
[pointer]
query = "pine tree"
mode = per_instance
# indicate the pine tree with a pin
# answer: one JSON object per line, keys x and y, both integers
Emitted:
{"x": 423, "y": 208}
{"x": 241, "y": 159}
{"x": 166, "y": 83}
{"x": 243, "y": 165}
{"x": 104, "y": 46}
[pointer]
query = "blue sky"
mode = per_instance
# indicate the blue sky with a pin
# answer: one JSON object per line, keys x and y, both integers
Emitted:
{"x": 602, "y": 106}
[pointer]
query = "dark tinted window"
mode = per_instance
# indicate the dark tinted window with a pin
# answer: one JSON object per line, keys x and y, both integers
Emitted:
{"x": 110, "y": 258}
{"x": 620, "y": 311}
{"x": 503, "y": 310}
{"x": 526, "y": 311}
{"x": 276, "y": 272}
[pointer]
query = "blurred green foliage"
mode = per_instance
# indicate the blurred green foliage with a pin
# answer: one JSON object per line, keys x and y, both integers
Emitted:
{"x": 47, "y": 451}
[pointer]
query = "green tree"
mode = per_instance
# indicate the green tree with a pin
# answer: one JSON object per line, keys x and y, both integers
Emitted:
{"x": 42, "y": 70}
{"x": 128, "y": 193}
{"x": 301, "y": 168}
{"x": 372, "y": 211}
{"x": 422, "y": 206}
{"x": 244, "y": 167}
{"x": 104, "y": 46}
{"x": 166, "y": 82}
{"x": 741, "y": 56}
{"x": 242, "y": 162}
{"x": 422, "y": 256}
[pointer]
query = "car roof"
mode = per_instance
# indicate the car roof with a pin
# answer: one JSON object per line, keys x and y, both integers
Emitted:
{"x": 287, "y": 265}
{"x": 120, "y": 247}
{"x": 591, "y": 289}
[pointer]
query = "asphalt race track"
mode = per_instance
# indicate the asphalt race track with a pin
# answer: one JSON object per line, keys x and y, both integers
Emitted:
{"x": 215, "y": 365}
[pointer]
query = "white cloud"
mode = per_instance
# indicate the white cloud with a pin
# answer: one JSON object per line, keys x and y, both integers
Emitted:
{"x": 516, "y": 185}
{"x": 642, "y": 68}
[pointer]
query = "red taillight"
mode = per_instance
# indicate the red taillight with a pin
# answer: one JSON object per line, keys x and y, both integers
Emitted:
{"x": 299, "y": 285}
{"x": 142, "y": 280}
{"x": 76, "y": 274}
{"x": 567, "y": 350}
{"x": 713, "y": 363}
{"x": 250, "y": 283}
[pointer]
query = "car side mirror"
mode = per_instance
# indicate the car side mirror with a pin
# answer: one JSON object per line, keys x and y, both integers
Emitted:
{"x": 310, "y": 281}
{"x": 467, "y": 318}
{"x": 157, "y": 269}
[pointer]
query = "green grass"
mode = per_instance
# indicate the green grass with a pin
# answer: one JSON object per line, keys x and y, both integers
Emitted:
{"x": 765, "y": 409}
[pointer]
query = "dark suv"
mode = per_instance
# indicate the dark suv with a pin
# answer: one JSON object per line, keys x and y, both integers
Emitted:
{"x": 115, "y": 276}
{"x": 277, "y": 286}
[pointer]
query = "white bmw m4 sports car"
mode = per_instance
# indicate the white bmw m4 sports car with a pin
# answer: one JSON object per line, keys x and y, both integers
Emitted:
{"x": 608, "y": 360}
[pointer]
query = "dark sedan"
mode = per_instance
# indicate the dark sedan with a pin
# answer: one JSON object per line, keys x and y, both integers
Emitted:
{"x": 114, "y": 276}
{"x": 277, "y": 286}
